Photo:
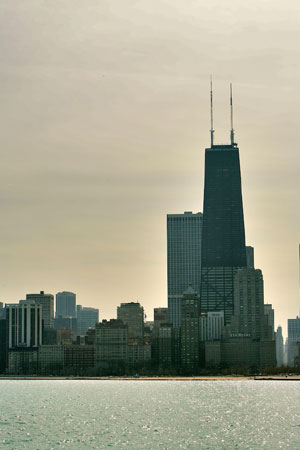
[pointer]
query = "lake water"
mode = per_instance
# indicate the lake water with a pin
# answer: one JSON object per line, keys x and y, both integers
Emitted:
{"x": 149, "y": 414}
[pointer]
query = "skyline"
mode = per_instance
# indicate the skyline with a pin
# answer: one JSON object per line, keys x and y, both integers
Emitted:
{"x": 104, "y": 127}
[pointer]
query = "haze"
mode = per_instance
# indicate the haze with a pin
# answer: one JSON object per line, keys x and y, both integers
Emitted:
{"x": 104, "y": 121}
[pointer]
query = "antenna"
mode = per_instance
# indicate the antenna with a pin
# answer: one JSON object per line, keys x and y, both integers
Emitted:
{"x": 231, "y": 118}
{"x": 211, "y": 115}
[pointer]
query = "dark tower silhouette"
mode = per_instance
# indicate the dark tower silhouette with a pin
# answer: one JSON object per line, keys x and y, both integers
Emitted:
{"x": 223, "y": 238}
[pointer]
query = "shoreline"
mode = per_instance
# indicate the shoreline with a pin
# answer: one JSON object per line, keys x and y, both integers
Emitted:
{"x": 142, "y": 378}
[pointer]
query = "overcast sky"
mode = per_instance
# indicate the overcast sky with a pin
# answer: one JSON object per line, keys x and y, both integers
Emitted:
{"x": 104, "y": 121}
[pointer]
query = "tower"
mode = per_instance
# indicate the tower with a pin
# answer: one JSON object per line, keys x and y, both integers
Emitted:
{"x": 184, "y": 234}
{"x": 223, "y": 238}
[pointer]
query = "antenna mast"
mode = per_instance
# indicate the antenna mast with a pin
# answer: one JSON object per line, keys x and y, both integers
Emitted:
{"x": 211, "y": 115}
{"x": 231, "y": 118}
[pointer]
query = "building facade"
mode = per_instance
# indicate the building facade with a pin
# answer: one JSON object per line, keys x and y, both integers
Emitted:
{"x": 132, "y": 315}
{"x": 47, "y": 302}
{"x": 184, "y": 237}
{"x": 86, "y": 318}
{"x": 65, "y": 304}
{"x": 24, "y": 322}
{"x": 223, "y": 240}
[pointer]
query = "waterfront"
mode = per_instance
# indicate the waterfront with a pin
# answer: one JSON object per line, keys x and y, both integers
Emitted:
{"x": 149, "y": 415}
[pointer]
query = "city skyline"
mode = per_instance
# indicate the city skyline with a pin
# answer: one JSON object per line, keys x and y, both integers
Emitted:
{"x": 103, "y": 137}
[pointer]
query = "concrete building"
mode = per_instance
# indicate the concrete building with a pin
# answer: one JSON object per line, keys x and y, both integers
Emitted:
{"x": 86, "y": 318}
{"x": 111, "y": 343}
{"x": 184, "y": 237}
{"x": 24, "y": 322}
{"x": 47, "y": 302}
{"x": 3, "y": 344}
{"x": 190, "y": 330}
{"x": 132, "y": 315}
{"x": 65, "y": 304}
{"x": 211, "y": 326}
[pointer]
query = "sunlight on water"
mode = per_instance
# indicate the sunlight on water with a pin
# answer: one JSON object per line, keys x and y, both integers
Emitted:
{"x": 149, "y": 414}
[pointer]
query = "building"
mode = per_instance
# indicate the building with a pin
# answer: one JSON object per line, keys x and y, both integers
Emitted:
{"x": 132, "y": 315}
{"x": 47, "y": 302}
{"x": 184, "y": 235}
{"x": 24, "y": 323}
{"x": 86, "y": 318}
{"x": 211, "y": 326}
{"x": 279, "y": 347}
{"x": 190, "y": 330}
{"x": 65, "y": 304}
{"x": 66, "y": 322}
{"x": 250, "y": 257}
{"x": 223, "y": 240}
{"x": 3, "y": 344}
{"x": 248, "y": 318}
{"x": 269, "y": 312}
{"x": 293, "y": 338}
{"x": 161, "y": 316}
{"x": 111, "y": 343}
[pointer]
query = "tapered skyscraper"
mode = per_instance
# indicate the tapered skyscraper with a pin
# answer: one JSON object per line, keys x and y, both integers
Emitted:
{"x": 223, "y": 238}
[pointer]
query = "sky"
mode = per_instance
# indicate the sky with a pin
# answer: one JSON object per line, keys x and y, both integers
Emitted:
{"x": 104, "y": 118}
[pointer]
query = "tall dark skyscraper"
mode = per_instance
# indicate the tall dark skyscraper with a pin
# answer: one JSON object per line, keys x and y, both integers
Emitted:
{"x": 223, "y": 238}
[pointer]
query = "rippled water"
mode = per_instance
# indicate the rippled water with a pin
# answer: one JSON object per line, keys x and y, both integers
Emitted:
{"x": 149, "y": 414}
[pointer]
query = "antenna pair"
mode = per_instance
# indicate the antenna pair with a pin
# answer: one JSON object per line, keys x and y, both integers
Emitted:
{"x": 212, "y": 117}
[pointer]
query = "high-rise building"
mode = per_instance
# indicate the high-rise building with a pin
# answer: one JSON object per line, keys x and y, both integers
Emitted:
{"x": 250, "y": 257}
{"x": 293, "y": 338}
{"x": 86, "y": 318}
{"x": 269, "y": 312}
{"x": 211, "y": 326}
{"x": 184, "y": 235}
{"x": 47, "y": 302}
{"x": 279, "y": 347}
{"x": 248, "y": 318}
{"x": 65, "y": 304}
{"x": 24, "y": 322}
{"x": 111, "y": 342}
{"x": 132, "y": 315}
{"x": 223, "y": 238}
{"x": 190, "y": 329}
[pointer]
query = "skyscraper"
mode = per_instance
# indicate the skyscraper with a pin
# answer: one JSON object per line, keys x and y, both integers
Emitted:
{"x": 184, "y": 235}
{"x": 47, "y": 302}
{"x": 223, "y": 238}
{"x": 132, "y": 315}
{"x": 65, "y": 304}
{"x": 86, "y": 318}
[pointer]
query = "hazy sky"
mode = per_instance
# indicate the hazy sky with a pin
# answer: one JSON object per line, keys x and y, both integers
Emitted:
{"x": 104, "y": 121}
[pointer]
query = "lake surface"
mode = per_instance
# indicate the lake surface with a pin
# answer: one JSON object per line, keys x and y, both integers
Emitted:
{"x": 149, "y": 414}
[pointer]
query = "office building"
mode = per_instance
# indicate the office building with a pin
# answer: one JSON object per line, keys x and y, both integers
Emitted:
{"x": 65, "y": 304}
{"x": 47, "y": 302}
{"x": 86, "y": 318}
{"x": 211, "y": 326}
{"x": 250, "y": 257}
{"x": 132, "y": 315}
{"x": 111, "y": 343}
{"x": 223, "y": 240}
{"x": 293, "y": 338}
{"x": 279, "y": 347}
{"x": 184, "y": 235}
{"x": 24, "y": 322}
{"x": 269, "y": 313}
{"x": 190, "y": 330}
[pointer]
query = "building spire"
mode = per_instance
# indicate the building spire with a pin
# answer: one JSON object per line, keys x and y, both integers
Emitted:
{"x": 211, "y": 115}
{"x": 231, "y": 118}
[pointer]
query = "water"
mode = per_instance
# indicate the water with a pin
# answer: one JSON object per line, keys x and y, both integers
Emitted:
{"x": 149, "y": 414}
